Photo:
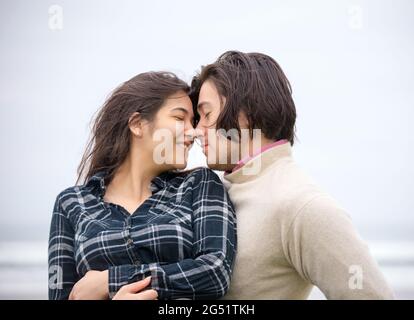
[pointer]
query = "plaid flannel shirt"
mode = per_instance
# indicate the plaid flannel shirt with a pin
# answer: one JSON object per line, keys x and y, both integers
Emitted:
{"x": 184, "y": 236}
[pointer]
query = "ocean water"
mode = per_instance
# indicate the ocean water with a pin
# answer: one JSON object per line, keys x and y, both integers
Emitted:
{"x": 24, "y": 273}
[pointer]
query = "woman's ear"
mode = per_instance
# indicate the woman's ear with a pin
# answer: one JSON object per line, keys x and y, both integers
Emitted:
{"x": 135, "y": 124}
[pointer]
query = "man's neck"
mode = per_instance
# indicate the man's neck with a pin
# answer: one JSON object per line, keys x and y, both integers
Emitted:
{"x": 254, "y": 147}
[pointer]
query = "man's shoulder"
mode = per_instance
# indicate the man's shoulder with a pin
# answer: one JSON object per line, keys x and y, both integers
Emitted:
{"x": 296, "y": 192}
{"x": 292, "y": 187}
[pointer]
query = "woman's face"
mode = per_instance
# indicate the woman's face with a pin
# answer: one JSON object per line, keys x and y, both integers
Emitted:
{"x": 170, "y": 135}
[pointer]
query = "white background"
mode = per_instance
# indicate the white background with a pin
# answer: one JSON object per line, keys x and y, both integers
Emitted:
{"x": 350, "y": 63}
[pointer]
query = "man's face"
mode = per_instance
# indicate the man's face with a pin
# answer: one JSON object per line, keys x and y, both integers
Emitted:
{"x": 217, "y": 148}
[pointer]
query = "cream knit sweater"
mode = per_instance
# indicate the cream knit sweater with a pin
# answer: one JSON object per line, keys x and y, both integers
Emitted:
{"x": 291, "y": 235}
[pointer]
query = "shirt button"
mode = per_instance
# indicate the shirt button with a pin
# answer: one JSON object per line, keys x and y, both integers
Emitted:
{"x": 130, "y": 241}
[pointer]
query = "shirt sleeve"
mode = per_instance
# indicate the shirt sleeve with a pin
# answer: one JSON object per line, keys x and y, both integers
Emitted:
{"x": 325, "y": 249}
{"x": 62, "y": 268}
{"x": 206, "y": 275}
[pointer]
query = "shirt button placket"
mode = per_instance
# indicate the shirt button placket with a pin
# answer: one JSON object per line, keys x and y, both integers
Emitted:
{"x": 130, "y": 242}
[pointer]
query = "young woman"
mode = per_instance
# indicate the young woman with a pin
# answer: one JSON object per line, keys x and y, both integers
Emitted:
{"x": 138, "y": 228}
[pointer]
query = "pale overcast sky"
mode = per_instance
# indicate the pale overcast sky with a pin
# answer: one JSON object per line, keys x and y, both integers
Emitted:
{"x": 350, "y": 64}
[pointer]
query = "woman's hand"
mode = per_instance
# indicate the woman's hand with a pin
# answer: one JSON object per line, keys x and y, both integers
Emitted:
{"x": 93, "y": 286}
{"x": 133, "y": 291}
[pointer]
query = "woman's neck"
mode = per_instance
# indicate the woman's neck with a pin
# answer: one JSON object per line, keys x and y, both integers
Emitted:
{"x": 130, "y": 185}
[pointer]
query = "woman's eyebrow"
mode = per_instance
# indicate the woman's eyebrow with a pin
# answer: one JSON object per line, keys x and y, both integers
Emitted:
{"x": 180, "y": 109}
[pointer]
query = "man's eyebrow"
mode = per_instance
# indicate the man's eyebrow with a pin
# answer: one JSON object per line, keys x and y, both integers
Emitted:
{"x": 202, "y": 104}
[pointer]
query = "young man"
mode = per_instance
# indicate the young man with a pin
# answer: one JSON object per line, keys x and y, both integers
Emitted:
{"x": 291, "y": 234}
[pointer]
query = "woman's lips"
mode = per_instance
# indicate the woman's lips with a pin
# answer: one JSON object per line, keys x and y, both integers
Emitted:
{"x": 188, "y": 144}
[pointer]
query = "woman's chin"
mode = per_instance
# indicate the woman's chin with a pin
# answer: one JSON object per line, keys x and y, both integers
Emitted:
{"x": 181, "y": 166}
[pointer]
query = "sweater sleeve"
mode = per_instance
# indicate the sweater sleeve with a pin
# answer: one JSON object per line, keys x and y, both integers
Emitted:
{"x": 325, "y": 249}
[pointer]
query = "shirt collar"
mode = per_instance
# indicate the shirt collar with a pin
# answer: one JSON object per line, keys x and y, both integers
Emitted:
{"x": 98, "y": 181}
{"x": 259, "y": 164}
{"x": 243, "y": 161}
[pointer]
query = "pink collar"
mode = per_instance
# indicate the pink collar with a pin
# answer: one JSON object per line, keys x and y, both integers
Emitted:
{"x": 243, "y": 161}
